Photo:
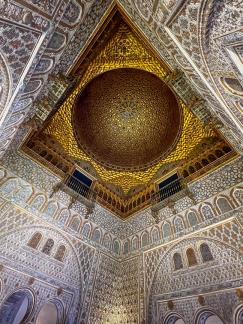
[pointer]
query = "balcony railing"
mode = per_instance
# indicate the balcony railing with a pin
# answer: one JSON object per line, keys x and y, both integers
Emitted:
{"x": 168, "y": 190}
{"x": 78, "y": 186}
{"x": 78, "y": 190}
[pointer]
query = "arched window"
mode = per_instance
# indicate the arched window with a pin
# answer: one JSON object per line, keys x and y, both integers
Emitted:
{"x": 96, "y": 235}
{"x": 145, "y": 239}
{"x": 219, "y": 153}
{"x": 86, "y": 230}
{"x": 185, "y": 173}
{"x": 198, "y": 166}
{"x": 205, "y": 252}
{"x": 191, "y": 257}
{"x": 177, "y": 261}
{"x": 60, "y": 253}
{"x": 48, "y": 246}
{"x": 17, "y": 307}
{"x": 226, "y": 149}
{"x": 191, "y": 169}
{"x": 38, "y": 202}
{"x": 116, "y": 247}
{"x": 74, "y": 224}
{"x": 207, "y": 212}
{"x": 126, "y": 247}
{"x": 35, "y": 240}
{"x": 107, "y": 241}
{"x": 204, "y": 162}
{"x": 135, "y": 244}
{"x": 192, "y": 218}
{"x": 211, "y": 157}
{"x": 178, "y": 223}
{"x": 166, "y": 230}
{"x": 63, "y": 216}
{"x": 51, "y": 209}
{"x": 48, "y": 314}
{"x": 155, "y": 234}
{"x": 223, "y": 205}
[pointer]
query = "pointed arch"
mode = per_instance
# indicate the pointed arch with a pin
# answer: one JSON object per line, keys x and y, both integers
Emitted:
{"x": 75, "y": 223}
{"x": 107, "y": 240}
{"x": 144, "y": 239}
{"x": 126, "y": 247}
{"x": 96, "y": 235}
{"x": 166, "y": 230}
{"x": 223, "y": 204}
{"x": 192, "y": 218}
{"x": 155, "y": 234}
{"x": 37, "y": 202}
{"x": 116, "y": 246}
{"x": 86, "y": 230}
{"x": 135, "y": 243}
{"x": 207, "y": 211}
{"x": 51, "y": 209}
{"x": 63, "y": 216}
{"x": 178, "y": 224}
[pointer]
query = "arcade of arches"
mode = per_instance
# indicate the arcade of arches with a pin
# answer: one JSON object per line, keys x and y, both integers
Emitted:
{"x": 121, "y": 168}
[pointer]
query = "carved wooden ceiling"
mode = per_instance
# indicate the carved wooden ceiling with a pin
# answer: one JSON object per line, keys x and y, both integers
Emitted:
{"x": 127, "y": 119}
{"x": 118, "y": 47}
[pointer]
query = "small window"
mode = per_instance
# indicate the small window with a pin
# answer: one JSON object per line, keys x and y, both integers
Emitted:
{"x": 211, "y": 157}
{"x": 116, "y": 247}
{"x": 223, "y": 205}
{"x": 198, "y": 166}
{"x": 219, "y": 153}
{"x": 226, "y": 149}
{"x": 205, "y": 162}
{"x": 126, "y": 247}
{"x": 206, "y": 253}
{"x": 48, "y": 246}
{"x": 145, "y": 239}
{"x": 191, "y": 257}
{"x": 35, "y": 240}
{"x": 191, "y": 169}
{"x": 185, "y": 174}
{"x": 177, "y": 261}
{"x": 60, "y": 253}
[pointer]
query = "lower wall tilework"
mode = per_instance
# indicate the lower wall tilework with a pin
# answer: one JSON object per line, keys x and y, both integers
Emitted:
{"x": 94, "y": 286}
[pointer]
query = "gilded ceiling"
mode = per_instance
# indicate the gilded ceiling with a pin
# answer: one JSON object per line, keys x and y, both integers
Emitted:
{"x": 127, "y": 119}
{"x": 125, "y": 50}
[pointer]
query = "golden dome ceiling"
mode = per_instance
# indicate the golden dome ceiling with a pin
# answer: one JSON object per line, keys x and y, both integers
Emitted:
{"x": 122, "y": 49}
{"x": 127, "y": 119}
